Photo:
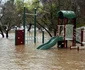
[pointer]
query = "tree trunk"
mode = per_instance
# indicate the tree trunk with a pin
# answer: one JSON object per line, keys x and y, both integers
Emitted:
{"x": 54, "y": 32}
{"x": 2, "y": 32}
{"x": 7, "y": 34}
{"x": 30, "y": 25}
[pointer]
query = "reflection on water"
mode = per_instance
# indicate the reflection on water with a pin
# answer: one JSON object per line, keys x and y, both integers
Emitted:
{"x": 29, "y": 58}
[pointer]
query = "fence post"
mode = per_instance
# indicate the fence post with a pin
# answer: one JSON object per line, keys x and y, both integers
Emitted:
{"x": 82, "y": 32}
{"x": 42, "y": 36}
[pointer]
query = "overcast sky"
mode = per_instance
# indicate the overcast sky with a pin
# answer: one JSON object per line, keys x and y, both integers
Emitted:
{"x": 3, "y": 1}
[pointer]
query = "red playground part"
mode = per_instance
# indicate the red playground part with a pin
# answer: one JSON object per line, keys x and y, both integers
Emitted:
{"x": 19, "y": 37}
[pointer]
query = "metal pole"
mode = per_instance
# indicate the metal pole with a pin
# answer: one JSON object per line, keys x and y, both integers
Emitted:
{"x": 65, "y": 21}
{"x": 42, "y": 36}
{"x": 15, "y": 35}
{"x": 35, "y": 25}
{"x": 24, "y": 21}
{"x": 82, "y": 32}
{"x": 74, "y": 32}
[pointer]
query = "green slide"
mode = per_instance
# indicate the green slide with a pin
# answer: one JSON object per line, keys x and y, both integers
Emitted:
{"x": 50, "y": 43}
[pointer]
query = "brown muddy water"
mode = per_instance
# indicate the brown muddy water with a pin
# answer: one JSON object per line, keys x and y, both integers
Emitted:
{"x": 27, "y": 57}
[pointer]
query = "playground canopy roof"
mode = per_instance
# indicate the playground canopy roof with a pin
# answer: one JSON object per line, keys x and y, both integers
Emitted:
{"x": 66, "y": 14}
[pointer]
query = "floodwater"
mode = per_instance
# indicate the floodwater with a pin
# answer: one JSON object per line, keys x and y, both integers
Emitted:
{"x": 27, "y": 57}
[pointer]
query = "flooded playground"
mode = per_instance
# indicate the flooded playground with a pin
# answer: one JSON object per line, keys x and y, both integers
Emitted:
{"x": 27, "y": 57}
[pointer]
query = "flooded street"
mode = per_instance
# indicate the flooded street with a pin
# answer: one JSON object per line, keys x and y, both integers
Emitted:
{"x": 27, "y": 57}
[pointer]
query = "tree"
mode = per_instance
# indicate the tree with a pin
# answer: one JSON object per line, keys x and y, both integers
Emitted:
{"x": 10, "y": 16}
{"x": 1, "y": 15}
{"x": 47, "y": 11}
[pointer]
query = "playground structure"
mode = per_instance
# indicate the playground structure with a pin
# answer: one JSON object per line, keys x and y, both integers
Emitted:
{"x": 70, "y": 32}
{"x": 41, "y": 36}
{"x": 63, "y": 17}
{"x": 18, "y": 39}
{"x": 65, "y": 32}
{"x": 22, "y": 35}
